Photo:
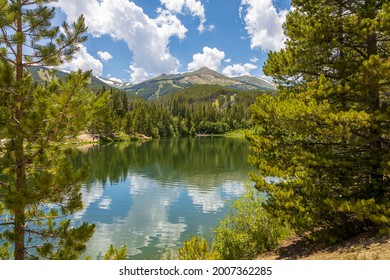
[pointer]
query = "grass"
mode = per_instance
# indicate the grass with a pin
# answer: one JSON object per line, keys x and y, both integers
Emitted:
{"x": 239, "y": 133}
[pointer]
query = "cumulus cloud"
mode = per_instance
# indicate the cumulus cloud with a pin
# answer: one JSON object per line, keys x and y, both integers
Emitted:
{"x": 263, "y": 24}
{"x": 195, "y": 7}
{"x": 84, "y": 61}
{"x": 211, "y": 58}
{"x": 147, "y": 38}
{"x": 238, "y": 69}
{"x": 138, "y": 74}
{"x": 105, "y": 56}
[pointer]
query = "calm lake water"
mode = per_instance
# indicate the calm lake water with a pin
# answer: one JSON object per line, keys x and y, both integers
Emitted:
{"x": 155, "y": 195}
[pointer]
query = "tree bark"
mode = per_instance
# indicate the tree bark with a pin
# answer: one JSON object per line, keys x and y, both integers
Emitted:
{"x": 20, "y": 184}
{"x": 374, "y": 104}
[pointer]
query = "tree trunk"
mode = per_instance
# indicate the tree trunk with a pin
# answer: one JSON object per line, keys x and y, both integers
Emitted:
{"x": 373, "y": 91}
{"x": 20, "y": 218}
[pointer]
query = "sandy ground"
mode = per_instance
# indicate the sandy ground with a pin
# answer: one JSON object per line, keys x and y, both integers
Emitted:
{"x": 86, "y": 138}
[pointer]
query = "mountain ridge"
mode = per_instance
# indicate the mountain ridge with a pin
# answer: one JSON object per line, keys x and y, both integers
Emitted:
{"x": 168, "y": 83}
{"x": 163, "y": 84}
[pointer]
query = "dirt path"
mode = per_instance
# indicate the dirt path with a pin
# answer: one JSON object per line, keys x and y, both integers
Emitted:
{"x": 367, "y": 246}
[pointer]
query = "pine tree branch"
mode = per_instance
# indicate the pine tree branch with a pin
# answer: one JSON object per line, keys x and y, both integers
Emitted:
{"x": 42, "y": 58}
{"x": 5, "y": 4}
{"x": 7, "y": 224}
{"x": 8, "y": 43}
{"x": 356, "y": 49}
{"x": 62, "y": 115}
{"x": 55, "y": 129}
{"x": 40, "y": 233}
{"x": 30, "y": 254}
{"x": 28, "y": 3}
{"x": 33, "y": 27}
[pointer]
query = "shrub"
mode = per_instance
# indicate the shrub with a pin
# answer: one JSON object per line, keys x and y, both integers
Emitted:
{"x": 115, "y": 254}
{"x": 248, "y": 229}
{"x": 197, "y": 248}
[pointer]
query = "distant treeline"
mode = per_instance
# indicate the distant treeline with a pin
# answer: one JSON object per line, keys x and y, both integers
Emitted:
{"x": 200, "y": 109}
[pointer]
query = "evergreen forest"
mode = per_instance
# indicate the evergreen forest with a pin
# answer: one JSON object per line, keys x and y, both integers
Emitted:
{"x": 202, "y": 109}
{"x": 325, "y": 133}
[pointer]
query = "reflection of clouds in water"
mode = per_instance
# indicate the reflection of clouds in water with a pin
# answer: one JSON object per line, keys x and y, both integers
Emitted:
{"x": 233, "y": 188}
{"x": 209, "y": 200}
{"x": 101, "y": 241}
{"x": 212, "y": 200}
{"x": 141, "y": 184}
{"x": 146, "y": 220}
{"x": 149, "y": 213}
{"x": 89, "y": 195}
{"x": 167, "y": 194}
{"x": 105, "y": 203}
{"x": 169, "y": 234}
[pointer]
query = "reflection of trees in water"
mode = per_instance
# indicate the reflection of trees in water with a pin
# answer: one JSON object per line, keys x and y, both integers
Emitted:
{"x": 191, "y": 160}
{"x": 143, "y": 211}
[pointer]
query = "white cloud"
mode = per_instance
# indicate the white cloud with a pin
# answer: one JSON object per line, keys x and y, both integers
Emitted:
{"x": 124, "y": 20}
{"x": 210, "y": 58}
{"x": 195, "y": 7}
{"x": 105, "y": 56}
{"x": 263, "y": 24}
{"x": 228, "y": 60}
{"x": 210, "y": 27}
{"x": 115, "y": 79}
{"x": 254, "y": 59}
{"x": 138, "y": 74}
{"x": 84, "y": 61}
{"x": 238, "y": 69}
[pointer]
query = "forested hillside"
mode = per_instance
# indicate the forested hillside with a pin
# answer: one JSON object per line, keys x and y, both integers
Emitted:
{"x": 167, "y": 84}
{"x": 197, "y": 106}
{"x": 202, "y": 109}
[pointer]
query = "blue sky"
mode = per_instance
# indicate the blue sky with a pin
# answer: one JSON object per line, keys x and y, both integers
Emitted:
{"x": 139, "y": 39}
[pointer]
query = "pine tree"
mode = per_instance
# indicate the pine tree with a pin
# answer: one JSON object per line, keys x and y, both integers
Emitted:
{"x": 326, "y": 136}
{"x": 38, "y": 186}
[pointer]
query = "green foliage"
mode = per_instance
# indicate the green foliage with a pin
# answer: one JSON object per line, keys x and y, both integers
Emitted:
{"x": 52, "y": 186}
{"x": 199, "y": 109}
{"x": 115, "y": 254}
{"x": 197, "y": 248}
{"x": 384, "y": 232}
{"x": 248, "y": 230}
{"x": 71, "y": 244}
{"x": 326, "y": 135}
{"x": 5, "y": 251}
{"x": 38, "y": 186}
{"x": 42, "y": 42}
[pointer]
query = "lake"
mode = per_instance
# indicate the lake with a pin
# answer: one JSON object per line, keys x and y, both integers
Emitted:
{"x": 153, "y": 196}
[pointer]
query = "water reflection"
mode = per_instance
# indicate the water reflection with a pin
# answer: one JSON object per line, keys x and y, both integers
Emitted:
{"x": 155, "y": 195}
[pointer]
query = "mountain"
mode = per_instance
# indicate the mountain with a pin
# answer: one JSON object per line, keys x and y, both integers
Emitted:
{"x": 165, "y": 84}
{"x": 46, "y": 75}
{"x": 256, "y": 82}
